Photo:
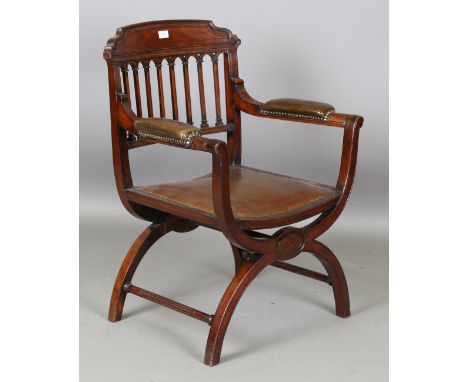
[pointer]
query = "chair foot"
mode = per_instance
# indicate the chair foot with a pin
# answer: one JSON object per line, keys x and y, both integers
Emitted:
{"x": 335, "y": 273}
{"x": 248, "y": 270}
{"x": 211, "y": 363}
{"x": 135, "y": 254}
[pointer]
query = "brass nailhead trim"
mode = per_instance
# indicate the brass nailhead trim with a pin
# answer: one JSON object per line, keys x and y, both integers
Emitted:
{"x": 298, "y": 115}
{"x": 186, "y": 142}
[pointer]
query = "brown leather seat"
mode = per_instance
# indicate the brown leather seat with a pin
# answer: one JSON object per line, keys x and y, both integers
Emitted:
{"x": 255, "y": 195}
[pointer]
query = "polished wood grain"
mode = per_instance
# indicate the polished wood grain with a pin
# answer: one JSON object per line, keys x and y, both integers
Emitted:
{"x": 201, "y": 89}
{"x": 149, "y": 96}
{"x": 136, "y": 84}
{"x": 168, "y": 303}
{"x": 188, "y": 98}
{"x": 214, "y": 60}
{"x": 162, "y": 106}
{"x": 136, "y": 46}
{"x": 172, "y": 80}
{"x": 139, "y": 248}
{"x": 126, "y": 84}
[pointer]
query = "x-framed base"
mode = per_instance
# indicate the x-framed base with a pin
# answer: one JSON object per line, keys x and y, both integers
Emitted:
{"x": 247, "y": 267}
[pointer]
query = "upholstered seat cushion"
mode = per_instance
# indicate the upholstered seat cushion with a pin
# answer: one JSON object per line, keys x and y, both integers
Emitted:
{"x": 297, "y": 108}
{"x": 255, "y": 194}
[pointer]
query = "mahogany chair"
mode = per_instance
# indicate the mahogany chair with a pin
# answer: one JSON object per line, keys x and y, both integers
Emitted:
{"x": 233, "y": 199}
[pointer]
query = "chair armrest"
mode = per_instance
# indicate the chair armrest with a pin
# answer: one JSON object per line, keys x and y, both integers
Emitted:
{"x": 160, "y": 129}
{"x": 125, "y": 115}
{"x": 289, "y": 109}
{"x": 297, "y": 108}
{"x": 166, "y": 130}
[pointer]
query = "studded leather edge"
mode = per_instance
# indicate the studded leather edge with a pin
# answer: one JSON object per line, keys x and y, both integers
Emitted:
{"x": 186, "y": 142}
{"x": 298, "y": 115}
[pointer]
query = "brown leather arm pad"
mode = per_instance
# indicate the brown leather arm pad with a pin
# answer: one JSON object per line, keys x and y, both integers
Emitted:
{"x": 165, "y": 130}
{"x": 296, "y": 108}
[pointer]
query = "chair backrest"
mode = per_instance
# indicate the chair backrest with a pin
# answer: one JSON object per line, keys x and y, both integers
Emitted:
{"x": 160, "y": 54}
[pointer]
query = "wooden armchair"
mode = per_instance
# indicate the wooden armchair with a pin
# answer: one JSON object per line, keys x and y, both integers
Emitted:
{"x": 233, "y": 199}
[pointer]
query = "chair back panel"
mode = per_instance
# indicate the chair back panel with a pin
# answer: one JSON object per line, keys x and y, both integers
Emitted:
{"x": 155, "y": 61}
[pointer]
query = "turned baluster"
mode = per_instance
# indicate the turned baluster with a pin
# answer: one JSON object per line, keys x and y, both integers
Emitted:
{"x": 188, "y": 99}
{"x": 201, "y": 89}
{"x": 124, "y": 70}
{"x": 162, "y": 108}
{"x": 214, "y": 60}
{"x": 136, "y": 85}
{"x": 149, "y": 98}
{"x": 172, "y": 80}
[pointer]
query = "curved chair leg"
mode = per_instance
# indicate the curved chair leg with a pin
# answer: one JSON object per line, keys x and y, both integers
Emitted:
{"x": 246, "y": 273}
{"x": 136, "y": 252}
{"x": 335, "y": 273}
{"x": 238, "y": 259}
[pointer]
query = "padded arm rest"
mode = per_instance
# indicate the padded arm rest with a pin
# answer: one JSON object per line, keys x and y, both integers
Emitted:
{"x": 165, "y": 130}
{"x": 296, "y": 108}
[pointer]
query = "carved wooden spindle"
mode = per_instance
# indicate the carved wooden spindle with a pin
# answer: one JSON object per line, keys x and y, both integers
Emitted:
{"x": 149, "y": 98}
{"x": 162, "y": 108}
{"x": 175, "y": 109}
{"x": 201, "y": 88}
{"x": 136, "y": 85}
{"x": 188, "y": 99}
{"x": 214, "y": 60}
{"x": 124, "y": 70}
